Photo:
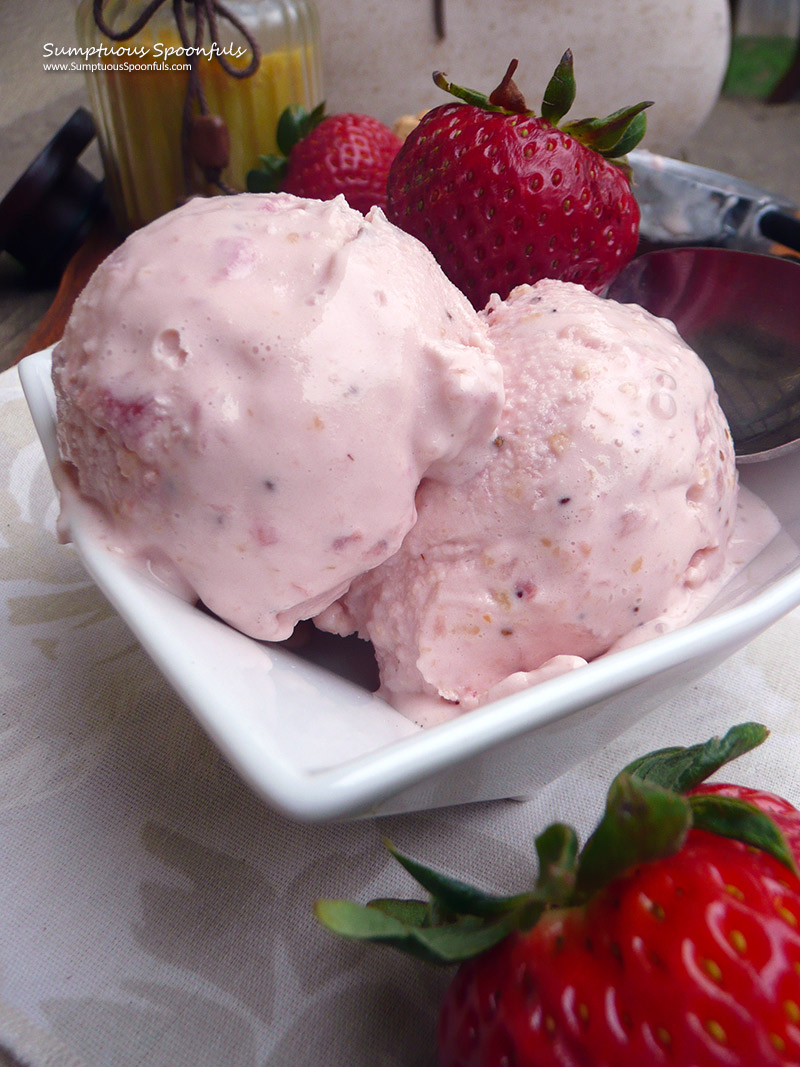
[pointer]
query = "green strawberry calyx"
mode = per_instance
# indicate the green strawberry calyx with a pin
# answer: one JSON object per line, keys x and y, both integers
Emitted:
{"x": 647, "y": 817}
{"x": 612, "y": 136}
{"x": 294, "y": 124}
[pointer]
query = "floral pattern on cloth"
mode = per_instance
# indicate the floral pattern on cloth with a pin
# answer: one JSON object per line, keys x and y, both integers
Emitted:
{"x": 153, "y": 911}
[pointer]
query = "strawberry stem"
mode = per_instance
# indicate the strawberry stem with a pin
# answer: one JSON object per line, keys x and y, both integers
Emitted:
{"x": 507, "y": 94}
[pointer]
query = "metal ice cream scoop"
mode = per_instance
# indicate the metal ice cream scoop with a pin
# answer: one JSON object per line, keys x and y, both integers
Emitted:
{"x": 683, "y": 204}
{"x": 740, "y": 311}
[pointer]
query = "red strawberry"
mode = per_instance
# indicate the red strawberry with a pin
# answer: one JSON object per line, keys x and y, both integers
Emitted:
{"x": 324, "y": 156}
{"x": 503, "y": 197}
{"x": 672, "y": 937}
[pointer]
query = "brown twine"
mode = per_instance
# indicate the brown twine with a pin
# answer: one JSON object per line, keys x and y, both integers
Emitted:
{"x": 438, "y": 19}
{"x": 206, "y": 12}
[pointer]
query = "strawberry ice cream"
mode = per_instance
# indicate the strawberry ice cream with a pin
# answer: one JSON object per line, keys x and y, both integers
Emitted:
{"x": 251, "y": 389}
{"x": 606, "y": 512}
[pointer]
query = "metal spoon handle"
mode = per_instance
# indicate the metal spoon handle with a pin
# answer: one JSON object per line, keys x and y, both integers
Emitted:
{"x": 782, "y": 228}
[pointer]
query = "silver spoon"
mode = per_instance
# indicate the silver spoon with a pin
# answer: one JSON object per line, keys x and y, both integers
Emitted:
{"x": 740, "y": 311}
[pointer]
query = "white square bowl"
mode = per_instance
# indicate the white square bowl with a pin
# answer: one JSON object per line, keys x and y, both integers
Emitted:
{"x": 316, "y": 744}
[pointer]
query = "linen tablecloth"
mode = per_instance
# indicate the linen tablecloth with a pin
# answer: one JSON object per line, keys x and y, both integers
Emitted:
{"x": 153, "y": 911}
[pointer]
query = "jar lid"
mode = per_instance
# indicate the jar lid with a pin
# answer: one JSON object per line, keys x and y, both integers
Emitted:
{"x": 47, "y": 213}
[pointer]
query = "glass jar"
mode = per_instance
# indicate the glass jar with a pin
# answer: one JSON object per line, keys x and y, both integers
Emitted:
{"x": 138, "y": 90}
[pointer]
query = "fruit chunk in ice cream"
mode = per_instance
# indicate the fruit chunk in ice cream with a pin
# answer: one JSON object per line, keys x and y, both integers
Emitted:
{"x": 251, "y": 389}
{"x": 608, "y": 503}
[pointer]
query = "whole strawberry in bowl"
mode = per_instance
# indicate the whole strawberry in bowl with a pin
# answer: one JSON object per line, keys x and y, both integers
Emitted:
{"x": 502, "y": 196}
{"x": 671, "y": 937}
{"x": 325, "y": 155}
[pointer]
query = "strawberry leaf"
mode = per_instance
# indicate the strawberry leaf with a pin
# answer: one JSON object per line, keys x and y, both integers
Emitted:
{"x": 557, "y": 849}
{"x": 269, "y": 177}
{"x": 732, "y": 817}
{"x": 642, "y": 822}
{"x": 603, "y": 135}
{"x": 469, "y": 96}
{"x": 447, "y": 943}
{"x": 359, "y": 921}
{"x": 460, "y": 941}
{"x": 456, "y": 897}
{"x": 295, "y": 123}
{"x": 681, "y": 769}
{"x": 409, "y": 912}
{"x": 559, "y": 95}
{"x": 632, "y": 136}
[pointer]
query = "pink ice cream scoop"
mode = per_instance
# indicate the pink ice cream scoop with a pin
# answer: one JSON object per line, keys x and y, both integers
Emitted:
{"x": 251, "y": 389}
{"x": 607, "y": 506}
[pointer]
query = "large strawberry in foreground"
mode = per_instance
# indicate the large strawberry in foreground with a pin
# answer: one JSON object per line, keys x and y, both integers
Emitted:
{"x": 325, "y": 155}
{"x": 672, "y": 937}
{"x": 502, "y": 197}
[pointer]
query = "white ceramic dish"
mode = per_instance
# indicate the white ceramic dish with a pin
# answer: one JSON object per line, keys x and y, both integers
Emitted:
{"x": 318, "y": 746}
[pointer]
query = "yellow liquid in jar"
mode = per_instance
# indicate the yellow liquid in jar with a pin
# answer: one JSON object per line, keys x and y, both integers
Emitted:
{"x": 139, "y": 115}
